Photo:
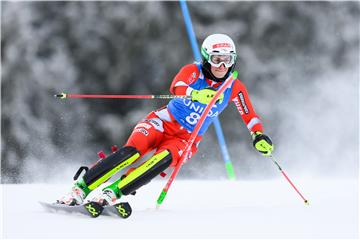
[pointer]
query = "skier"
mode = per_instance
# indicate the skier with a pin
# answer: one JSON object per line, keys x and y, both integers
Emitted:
{"x": 167, "y": 129}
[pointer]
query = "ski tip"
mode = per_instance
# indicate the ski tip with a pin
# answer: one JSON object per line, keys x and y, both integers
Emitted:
{"x": 44, "y": 204}
{"x": 47, "y": 204}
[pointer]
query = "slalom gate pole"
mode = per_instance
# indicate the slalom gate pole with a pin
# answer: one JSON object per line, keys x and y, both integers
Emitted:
{"x": 288, "y": 179}
{"x": 65, "y": 96}
{"x": 221, "y": 139}
{"x": 193, "y": 136}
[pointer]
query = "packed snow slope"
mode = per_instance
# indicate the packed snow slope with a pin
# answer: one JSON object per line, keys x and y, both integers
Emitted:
{"x": 196, "y": 209}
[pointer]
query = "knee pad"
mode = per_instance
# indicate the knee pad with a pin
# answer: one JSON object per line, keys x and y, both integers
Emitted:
{"x": 145, "y": 172}
{"x": 108, "y": 166}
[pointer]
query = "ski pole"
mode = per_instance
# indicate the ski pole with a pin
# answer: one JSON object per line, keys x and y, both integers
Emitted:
{"x": 68, "y": 95}
{"x": 193, "y": 136}
{"x": 288, "y": 179}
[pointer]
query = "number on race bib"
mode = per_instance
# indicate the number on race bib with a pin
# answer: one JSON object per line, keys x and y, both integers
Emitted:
{"x": 193, "y": 118}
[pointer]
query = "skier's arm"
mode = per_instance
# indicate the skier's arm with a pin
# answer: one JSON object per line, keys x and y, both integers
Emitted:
{"x": 241, "y": 99}
{"x": 186, "y": 76}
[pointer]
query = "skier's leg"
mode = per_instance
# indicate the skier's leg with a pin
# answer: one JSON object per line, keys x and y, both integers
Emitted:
{"x": 145, "y": 172}
{"x": 168, "y": 155}
{"x": 136, "y": 178}
{"x": 107, "y": 167}
{"x": 146, "y": 135}
{"x": 99, "y": 174}
{"x": 169, "y": 152}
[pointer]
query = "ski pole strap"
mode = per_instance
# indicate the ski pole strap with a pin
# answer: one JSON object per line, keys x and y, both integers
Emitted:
{"x": 97, "y": 96}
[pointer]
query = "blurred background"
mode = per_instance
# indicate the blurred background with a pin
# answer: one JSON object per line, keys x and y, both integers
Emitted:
{"x": 299, "y": 61}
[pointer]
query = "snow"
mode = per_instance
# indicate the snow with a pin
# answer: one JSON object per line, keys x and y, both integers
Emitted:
{"x": 196, "y": 209}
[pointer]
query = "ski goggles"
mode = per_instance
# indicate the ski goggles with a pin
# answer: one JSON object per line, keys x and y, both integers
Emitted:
{"x": 217, "y": 59}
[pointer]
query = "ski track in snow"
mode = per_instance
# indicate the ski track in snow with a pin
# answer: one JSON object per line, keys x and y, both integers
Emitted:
{"x": 195, "y": 209}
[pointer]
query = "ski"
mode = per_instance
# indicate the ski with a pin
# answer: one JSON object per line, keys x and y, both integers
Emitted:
{"x": 92, "y": 209}
{"x": 122, "y": 209}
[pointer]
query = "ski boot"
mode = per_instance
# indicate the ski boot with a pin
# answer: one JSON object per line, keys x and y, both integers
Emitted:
{"x": 106, "y": 198}
{"x": 76, "y": 196}
{"x": 109, "y": 195}
{"x": 109, "y": 199}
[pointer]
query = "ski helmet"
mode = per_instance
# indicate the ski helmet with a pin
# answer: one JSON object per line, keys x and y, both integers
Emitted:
{"x": 218, "y": 49}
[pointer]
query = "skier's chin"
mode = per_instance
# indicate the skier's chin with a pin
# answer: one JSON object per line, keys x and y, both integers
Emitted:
{"x": 219, "y": 74}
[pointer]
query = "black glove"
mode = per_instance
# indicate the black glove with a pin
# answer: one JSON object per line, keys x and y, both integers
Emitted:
{"x": 262, "y": 143}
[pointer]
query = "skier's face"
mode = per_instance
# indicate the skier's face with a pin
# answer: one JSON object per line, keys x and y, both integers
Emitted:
{"x": 219, "y": 72}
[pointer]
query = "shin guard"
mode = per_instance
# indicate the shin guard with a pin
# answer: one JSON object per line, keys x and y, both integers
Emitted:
{"x": 108, "y": 166}
{"x": 145, "y": 172}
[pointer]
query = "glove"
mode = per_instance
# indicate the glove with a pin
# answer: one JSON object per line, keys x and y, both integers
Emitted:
{"x": 204, "y": 96}
{"x": 262, "y": 143}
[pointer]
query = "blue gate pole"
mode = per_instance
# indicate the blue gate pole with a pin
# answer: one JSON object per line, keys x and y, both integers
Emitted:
{"x": 219, "y": 132}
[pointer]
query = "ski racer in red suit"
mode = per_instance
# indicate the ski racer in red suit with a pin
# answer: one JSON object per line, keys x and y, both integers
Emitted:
{"x": 168, "y": 129}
